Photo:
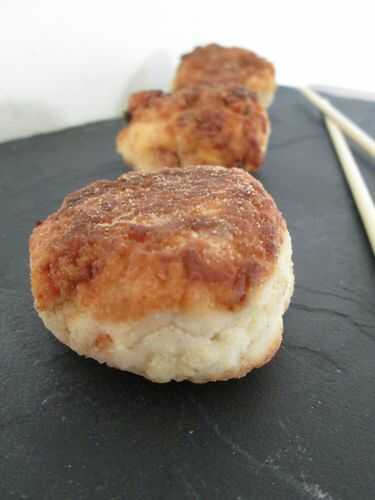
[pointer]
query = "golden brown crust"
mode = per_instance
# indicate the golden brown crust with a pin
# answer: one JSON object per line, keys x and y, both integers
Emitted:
{"x": 183, "y": 239}
{"x": 200, "y": 125}
{"x": 103, "y": 342}
{"x": 214, "y": 64}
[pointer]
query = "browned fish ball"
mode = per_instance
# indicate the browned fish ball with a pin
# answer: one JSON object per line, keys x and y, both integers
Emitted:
{"x": 200, "y": 125}
{"x": 180, "y": 275}
{"x": 214, "y": 64}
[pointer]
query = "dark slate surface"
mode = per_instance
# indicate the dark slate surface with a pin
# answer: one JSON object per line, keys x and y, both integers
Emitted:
{"x": 301, "y": 428}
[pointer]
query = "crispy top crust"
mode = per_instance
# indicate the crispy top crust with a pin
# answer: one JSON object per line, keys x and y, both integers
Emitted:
{"x": 200, "y": 125}
{"x": 214, "y": 64}
{"x": 190, "y": 239}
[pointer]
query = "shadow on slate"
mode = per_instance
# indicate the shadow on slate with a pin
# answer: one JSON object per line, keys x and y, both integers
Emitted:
{"x": 300, "y": 428}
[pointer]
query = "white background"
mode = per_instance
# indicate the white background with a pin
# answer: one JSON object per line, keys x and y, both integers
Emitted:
{"x": 69, "y": 62}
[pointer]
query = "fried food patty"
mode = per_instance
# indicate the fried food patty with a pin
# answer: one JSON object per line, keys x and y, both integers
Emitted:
{"x": 180, "y": 275}
{"x": 214, "y": 64}
{"x": 201, "y": 125}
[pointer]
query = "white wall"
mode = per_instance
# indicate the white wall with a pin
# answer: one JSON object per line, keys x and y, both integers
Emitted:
{"x": 66, "y": 62}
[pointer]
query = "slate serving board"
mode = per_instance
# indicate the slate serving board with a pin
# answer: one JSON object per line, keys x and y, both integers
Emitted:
{"x": 302, "y": 427}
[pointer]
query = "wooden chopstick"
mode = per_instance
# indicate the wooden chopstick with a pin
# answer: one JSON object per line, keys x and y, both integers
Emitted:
{"x": 361, "y": 195}
{"x": 346, "y": 125}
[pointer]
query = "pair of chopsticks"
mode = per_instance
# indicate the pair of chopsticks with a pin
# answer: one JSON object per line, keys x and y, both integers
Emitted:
{"x": 336, "y": 123}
